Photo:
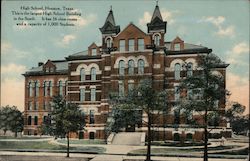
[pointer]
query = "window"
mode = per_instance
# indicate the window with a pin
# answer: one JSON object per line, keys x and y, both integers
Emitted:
{"x": 93, "y": 51}
{"x": 45, "y": 90}
{"x": 130, "y": 86}
{"x": 122, "y": 45}
{"x": 60, "y": 88}
{"x": 176, "y": 93}
{"x": 35, "y": 120}
{"x": 140, "y": 44}
{"x": 30, "y": 89}
{"x": 36, "y": 88}
{"x": 140, "y": 66}
{"x": 29, "y": 120}
{"x": 189, "y": 94}
{"x": 82, "y": 94}
{"x": 82, "y": 74}
{"x": 131, "y": 45}
{"x": 91, "y": 117}
{"x": 177, "y": 47}
{"x": 44, "y": 119}
{"x": 157, "y": 39}
{"x": 93, "y": 74}
{"x": 47, "y": 69}
{"x": 91, "y": 135}
{"x": 36, "y": 107}
{"x": 50, "y": 88}
{"x": 131, "y": 66}
{"x": 92, "y": 94}
{"x": 176, "y": 117}
{"x": 189, "y": 69}
{"x": 29, "y": 105}
{"x": 109, "y": 43}
{"x": 44, "y": 105}
{"x": 177, "y": 137}
{"x": 121, "y": 88}
{"x": 177, "y": 71}
{"x": 121, "y": 67}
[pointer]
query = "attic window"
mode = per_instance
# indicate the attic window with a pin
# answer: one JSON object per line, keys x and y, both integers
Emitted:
{"x": 177, "y": 47}
{"x": 157, "y": 39}
{"x": 47, "y": 69}
{"x": 93, "y": 51}
{"x": 109, "y": 43}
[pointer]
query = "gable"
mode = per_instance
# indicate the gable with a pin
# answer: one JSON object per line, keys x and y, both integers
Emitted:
{"x": 131, "y": 31}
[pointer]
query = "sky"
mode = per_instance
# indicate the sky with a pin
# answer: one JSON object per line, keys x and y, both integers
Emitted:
{"x": 220, "y": 25}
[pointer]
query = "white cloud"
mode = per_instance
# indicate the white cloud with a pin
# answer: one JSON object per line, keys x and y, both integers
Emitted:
{"x": 229, "y": 31}
{"x": 9, "y": 50}
{"x": 240, "y": 48}
{"x": 84, "y": 21}
{"x": 218, "y": 23}
{"x": 166, "y": 16}
{"x": 5, "y": 47}
{"x": 12, "y": 68}
{"x": 68, "y": 38}
{"x": 239, "y": 87}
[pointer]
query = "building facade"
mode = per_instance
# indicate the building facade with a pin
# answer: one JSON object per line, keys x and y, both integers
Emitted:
{"x": 117, "y": 65}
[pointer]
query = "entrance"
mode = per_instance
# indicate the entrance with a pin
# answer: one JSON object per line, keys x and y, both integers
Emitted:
{"x": 81, "y": 135}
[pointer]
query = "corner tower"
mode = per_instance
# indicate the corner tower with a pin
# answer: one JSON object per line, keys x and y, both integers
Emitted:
{"x": 157, "y": 27}
{"x": 109, "y": 30}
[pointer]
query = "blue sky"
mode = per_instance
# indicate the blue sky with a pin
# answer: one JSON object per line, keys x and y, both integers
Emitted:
{"x": 220, "y": 25}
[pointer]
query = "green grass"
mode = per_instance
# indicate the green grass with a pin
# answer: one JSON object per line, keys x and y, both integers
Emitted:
{"x": 23, "y": 137}
{"x": 44, "y": 145}
{"x": 238, "y": 152}
{"x": 95, "y": 141}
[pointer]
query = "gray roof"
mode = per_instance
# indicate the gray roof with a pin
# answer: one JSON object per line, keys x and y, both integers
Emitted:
{"x": 82, "y": 53}
{"x": 110, "y": 18}
{"x": 156, "y": 13}
{"x": 60, "y": 66}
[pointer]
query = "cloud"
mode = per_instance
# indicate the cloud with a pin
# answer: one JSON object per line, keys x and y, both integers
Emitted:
{"x": 5, "y": 47}
{"x": 218, "y": 23}
{"x": 12, "y": 68}
{"x": 12, "y": 93}
{"x": 9, "y": 50}
{"x": 84, "y": 21}
{"x": 229, "y": 31}
{"x": 166, "y": 16}
{"x": 68, "y": 38}
{"x": 239, "y": 87}
{"x": 240, "y": 48}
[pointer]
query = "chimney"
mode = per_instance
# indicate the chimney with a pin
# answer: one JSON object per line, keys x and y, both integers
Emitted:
{"x": 40, "y": 63}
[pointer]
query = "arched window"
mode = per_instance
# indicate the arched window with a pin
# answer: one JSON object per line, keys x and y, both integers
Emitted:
{"x": 157, "y": 39}
{"x": 189, "y": 137}
{"x": 109, "y": 43}
{"x": 50, "y": 88}
{"x": 30, "y": 89}
{"x": 35, "y": 120}
{"x": 82, "y": 74}
{"x": 36, "y": 88}
{"x": 29, "y": 120}
{"x": 131, "y": 66}
{"x": 140, "y": 66}
{"x": 176, "y": 137}
{"x": 93, "y": 74}
{"x": 177, "y": 71}
{"x": 189, "y": 69}
{"x": 121, "y": 67}
{"x": 60, "y": 88}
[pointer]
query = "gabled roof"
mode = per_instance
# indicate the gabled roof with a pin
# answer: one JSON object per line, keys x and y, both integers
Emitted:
{"x": 134, "y": 26}
{"x": 109, "y": 25}
{"x": 110, "y": 18}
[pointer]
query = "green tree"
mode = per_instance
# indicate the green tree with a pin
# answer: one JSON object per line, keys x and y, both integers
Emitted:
{"x": 206, "y": 88}
{"x": 11, "y": 119}
{"x": 144, "y": 98}
{"x": 65, "y": 119}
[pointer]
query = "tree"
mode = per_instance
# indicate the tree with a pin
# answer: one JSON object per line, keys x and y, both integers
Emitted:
{"x": 207, "y": 89}
{"x": 144, "y": 98}
{"x": 234, "y": 114}
{"x": 11, "y": 119}
{"x": 65, "y": 118}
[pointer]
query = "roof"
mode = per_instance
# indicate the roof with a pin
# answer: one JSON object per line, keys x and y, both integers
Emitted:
{"x": 156, "y": 13}
{"x": 110, "y": 18}
{"x": 187, "y": 46}
{"x": 61, "y": 68}
{"x": 81, "y": 53}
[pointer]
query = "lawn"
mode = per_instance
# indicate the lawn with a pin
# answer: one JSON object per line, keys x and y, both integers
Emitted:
{"x": 23, "y": 137}
{"x": 44, "y": 145}
{"x": 82, "y": 141}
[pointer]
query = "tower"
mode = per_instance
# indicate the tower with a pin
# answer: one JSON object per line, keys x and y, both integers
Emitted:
{"x": 157, "y": 28}
{"x": 109, "y": 30}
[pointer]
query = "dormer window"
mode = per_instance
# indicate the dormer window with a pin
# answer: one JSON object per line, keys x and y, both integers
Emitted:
{"x": 177, "y": 47}
{"x": 93, "y": 51}
{"x": 47, "y": 69}
{"x": 109, "y": 43}
{"x": 157, "y": 39}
